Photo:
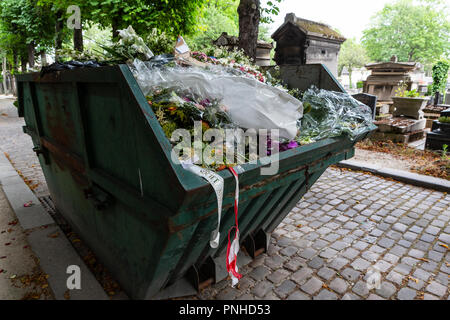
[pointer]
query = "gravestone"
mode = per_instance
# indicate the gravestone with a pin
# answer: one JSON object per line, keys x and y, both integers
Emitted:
{"x": 440, "y": 133}
{"x": 368, "y": 100}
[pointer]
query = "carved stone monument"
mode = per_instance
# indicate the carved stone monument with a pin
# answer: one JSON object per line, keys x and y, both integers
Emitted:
{"x": 387, "y": 77}
{"x": 300, "y": 41}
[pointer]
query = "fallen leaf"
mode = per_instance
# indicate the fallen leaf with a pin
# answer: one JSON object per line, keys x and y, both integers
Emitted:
{"x": 423, "y": 259}
{"x": 325, "y": 286}
{"x": 413, "y": 279}
{"x": 7, "y": 244}
{"x": 54, "y": 235}
{"x": 44, "y": 286}
{"x": 25, "y": 247}
{"x": 299, "y": 226}
{"x": 3, "y": 257}
{"x": 444, "y": 245}
{"x": 13, "y": 276}
{"x": 36, "y": 296}
{"x": 67, "y": 295}
{"x": 1, "y": 270}
{"x": 28, "y": 204}
{"x": 76, "y": 240}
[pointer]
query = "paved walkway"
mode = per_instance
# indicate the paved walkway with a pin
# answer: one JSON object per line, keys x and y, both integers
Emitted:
{"x": 20, "y": 274}
{"x": 350, "y": 228}
{"x": 347, "y": 224}
{"x": 19, "y": 147}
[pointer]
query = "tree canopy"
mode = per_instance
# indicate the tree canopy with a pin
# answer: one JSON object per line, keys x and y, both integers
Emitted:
{"x": 28, "y": 27}
{"x": 24, "y": 26}
{"x": 173, "y": 17}
{"x": 412, "y": 30}
{"x": 352, "y": 56}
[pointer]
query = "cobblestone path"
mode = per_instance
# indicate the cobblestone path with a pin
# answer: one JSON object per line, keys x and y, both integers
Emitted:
{"x": 349, "y": 225}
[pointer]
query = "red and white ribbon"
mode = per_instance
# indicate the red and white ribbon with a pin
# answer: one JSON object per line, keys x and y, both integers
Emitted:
{"x": 217, "y": 183}
{"x": 233, "y": 247}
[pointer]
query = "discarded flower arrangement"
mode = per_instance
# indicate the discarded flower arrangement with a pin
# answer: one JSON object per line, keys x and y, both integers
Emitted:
{"x": 228, "y": 93}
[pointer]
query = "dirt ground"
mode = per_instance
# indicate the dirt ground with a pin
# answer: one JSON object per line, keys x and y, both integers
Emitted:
{"x": 379, "y": 158}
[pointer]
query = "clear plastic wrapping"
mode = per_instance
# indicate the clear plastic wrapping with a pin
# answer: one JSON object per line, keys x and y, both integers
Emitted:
{"x": 333, "y": 114}
{"x": 249, "y": 102}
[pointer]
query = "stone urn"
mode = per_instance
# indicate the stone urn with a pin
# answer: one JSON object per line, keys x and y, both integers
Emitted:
{"x": 409, "y": 107}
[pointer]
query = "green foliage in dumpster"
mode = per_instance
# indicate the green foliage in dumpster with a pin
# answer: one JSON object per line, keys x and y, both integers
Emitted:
{"x": 174, "y": 111}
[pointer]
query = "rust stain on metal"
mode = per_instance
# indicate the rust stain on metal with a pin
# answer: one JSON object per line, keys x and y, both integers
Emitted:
{"x": 64, "y": 157}
{"x": 176, "y": 228}
{"x": 61, "y": 128}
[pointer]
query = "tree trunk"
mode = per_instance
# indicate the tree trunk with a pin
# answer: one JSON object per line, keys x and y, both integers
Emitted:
{"x": 14, "y": 67}
{"x": 249, "y": 16}
{"x": 23, "y": 62}
{"x": 78, "y": 39}
{"x": 350, "y": 77}
{"x": 411, "y": 55}
{"x": 5, "y": 87}
{"x": 43, "y": 58}
{"x": 31, "y": 52}
{"x": 59, "y": 30}
{"x": 115, "y": 28}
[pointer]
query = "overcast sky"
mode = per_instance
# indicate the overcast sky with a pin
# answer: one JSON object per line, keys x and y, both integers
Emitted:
{"x": 350, "y": 17}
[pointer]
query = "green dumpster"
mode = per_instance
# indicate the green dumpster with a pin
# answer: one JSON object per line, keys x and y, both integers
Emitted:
{"x": 108, "y": 167}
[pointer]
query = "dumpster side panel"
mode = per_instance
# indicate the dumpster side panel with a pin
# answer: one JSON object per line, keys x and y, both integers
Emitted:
{"x": 304, "y": 76}
{"x": 263, "y": 201}
{"x": 100, "y": 180}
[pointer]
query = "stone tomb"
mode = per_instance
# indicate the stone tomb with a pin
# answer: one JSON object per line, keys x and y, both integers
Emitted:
{"x": 300, "y": 41}
{"x": 440, "y": 133}
{"x": 432, "y": 113}
{"x": 400, "y": 130}
{"x": 407, "y": 123}
{"x": 387, "y": 77}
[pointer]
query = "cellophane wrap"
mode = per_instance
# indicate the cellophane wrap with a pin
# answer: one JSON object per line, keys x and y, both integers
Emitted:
{"x": 250, "y": 103}
{"x": 333, "y": 114}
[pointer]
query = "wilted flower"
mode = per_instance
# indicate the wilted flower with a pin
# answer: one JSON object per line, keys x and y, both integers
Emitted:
{"x": 289, "y": 146}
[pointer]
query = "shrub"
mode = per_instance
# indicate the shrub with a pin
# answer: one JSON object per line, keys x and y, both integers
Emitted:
{"x": 444, "y": 119}
{"x": 159, "y": 42}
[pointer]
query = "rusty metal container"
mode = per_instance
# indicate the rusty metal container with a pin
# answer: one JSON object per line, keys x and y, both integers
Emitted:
{"x": 107, "y": 164}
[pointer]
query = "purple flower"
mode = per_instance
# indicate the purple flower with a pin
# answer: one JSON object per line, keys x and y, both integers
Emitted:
{"x": 289, "y": 146}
